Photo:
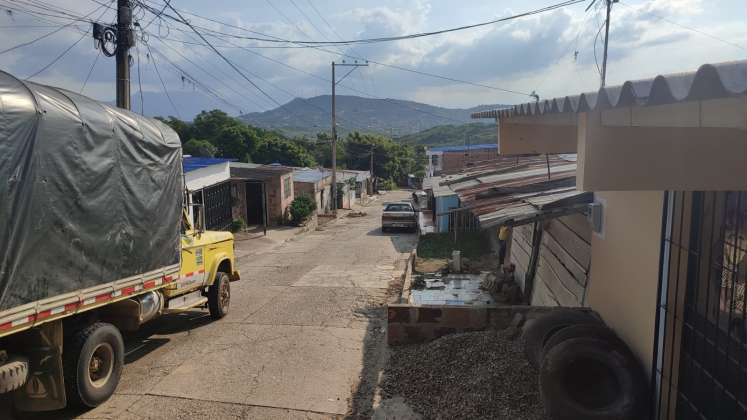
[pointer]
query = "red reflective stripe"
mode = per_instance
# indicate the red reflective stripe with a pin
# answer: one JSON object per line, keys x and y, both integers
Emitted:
{"x": 44, "y": 314}
{"x": 167, "y": 279}
{"x": 202, "y": 270}
{"x": 101, "y": 298}
{"x": 128, "y": 290}
{"x": 188, "y": 274}
{"x": 149, "y": 284}
{"x": 71, "y": 306}
{"x": 5, "y": 326}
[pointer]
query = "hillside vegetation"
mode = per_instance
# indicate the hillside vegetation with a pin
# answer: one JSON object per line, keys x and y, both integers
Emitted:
{"x": 390, "y": 117}
{"x": 452, "y": 135}
{"x": 216, "y": 134}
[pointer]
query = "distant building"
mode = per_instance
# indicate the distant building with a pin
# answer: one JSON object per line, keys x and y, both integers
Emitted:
{"x": 262, "y": 193}
{"x": 208, "y": 183}
{"x": 455, "y": 158}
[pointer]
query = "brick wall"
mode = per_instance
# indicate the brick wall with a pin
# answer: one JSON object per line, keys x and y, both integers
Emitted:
{"x": 454, "y": 161}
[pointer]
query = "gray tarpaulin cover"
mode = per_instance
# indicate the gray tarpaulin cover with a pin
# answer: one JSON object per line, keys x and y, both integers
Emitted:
{"x": 89, "y": 194}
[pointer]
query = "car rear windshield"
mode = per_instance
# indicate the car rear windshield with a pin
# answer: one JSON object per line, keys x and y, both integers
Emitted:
{"x": 398, "y": 207}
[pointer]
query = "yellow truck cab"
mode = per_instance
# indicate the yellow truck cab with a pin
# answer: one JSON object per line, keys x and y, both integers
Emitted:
{"x": 207, "y": 268}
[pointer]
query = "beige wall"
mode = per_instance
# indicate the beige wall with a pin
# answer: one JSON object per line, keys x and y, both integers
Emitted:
{"x": 624, "y": 274}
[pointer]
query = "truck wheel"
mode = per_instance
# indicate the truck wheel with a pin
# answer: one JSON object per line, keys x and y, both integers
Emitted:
{"x": 219, "y": 296}
{"x": 13, "y": 374}
{"x": 92, "y": 361}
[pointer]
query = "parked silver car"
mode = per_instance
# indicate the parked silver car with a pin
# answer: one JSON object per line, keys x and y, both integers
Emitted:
{"x": 399, "y": 215}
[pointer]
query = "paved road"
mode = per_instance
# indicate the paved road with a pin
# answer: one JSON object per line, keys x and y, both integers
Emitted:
{"x": 304, "y": 337}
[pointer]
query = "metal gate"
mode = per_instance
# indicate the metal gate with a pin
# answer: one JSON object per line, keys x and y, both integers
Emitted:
{"x": 701, "y": 332}
{"x": 217, "y": 202}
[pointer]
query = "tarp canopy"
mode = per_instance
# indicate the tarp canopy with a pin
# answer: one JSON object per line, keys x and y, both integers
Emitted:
{"x": 89, "y": 194}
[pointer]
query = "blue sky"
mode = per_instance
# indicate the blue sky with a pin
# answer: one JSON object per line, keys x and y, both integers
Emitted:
{"x": 530, "y": 54}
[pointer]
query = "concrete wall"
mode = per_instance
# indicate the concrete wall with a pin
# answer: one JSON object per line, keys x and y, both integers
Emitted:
{"x": 624, "y": 274}
{"x": 277, "y": 199}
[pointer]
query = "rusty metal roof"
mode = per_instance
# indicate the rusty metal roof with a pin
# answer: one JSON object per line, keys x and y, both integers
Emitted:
{"x": 710, "y": 81}
{"x": 511, "y": 192}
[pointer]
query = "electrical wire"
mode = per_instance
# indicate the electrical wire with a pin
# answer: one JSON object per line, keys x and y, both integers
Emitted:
{"x": 185, "y": 22}
{"x": 139, "y": 81}
{"x": 286, "y": 18}
{"x": 64, "y": 52}
{"x": 349, "y": 56}
{"x": 165, "y": 90}
{"x": 90, "y": 71}
{"x": 270, "y": 38}
{"x": 33, "y": 41}
{"x": 689, "y": 28}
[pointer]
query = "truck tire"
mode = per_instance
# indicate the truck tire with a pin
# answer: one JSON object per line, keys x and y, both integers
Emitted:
{"x": 13, "y": 374}
{"x": 538, "y": 332}
{"x": 92, "y": 363}
{"x": 219, "y": 296}
{"x": 597, "y": 331}
{"x": 591, "y": 379}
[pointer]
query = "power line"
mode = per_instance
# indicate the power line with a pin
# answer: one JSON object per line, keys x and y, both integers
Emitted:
{"x": 166, "y": 91}
{"x": 24, "y": 44}
{"x": 185, "y": 22}
{"x": 90, "y": 71}
{"x": 270, "y": 38}
{"x": 689, "y": 28}
{"x": 286, "y": 18}
{"x": 64, "y": 52}
{"x": 308, "y": 20}
{"x": 344, "y": 55}
{"x": 139, "y": 81}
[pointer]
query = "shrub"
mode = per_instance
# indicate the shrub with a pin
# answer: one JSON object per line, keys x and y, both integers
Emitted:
{"x": 237, "y": 225}
{"x": 301, "y": 208}
{"x": 389, "y": 185}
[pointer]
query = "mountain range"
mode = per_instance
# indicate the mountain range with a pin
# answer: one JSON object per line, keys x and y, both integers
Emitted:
{"x": 394, "y": 117}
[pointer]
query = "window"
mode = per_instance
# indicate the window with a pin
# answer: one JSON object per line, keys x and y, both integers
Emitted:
{"x": 398, "y": 207}
{"x": 287, "y": 187}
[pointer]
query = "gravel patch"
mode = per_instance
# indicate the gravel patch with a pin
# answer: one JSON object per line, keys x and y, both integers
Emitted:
{"x": 477, "y": 375}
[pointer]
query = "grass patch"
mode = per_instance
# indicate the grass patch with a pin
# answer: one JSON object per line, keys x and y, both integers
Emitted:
{"x": 441, "y": 245}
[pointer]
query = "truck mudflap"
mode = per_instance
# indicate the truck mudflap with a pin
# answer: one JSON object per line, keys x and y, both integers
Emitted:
{"x": 44, "y": 389}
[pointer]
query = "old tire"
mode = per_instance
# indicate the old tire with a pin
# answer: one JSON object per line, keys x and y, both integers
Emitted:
{"x": 538, "y": 332}
{"x": 596, "y": 331}
{"x": 219, "y": 296}
{"x": 591, "y": 379}
{"x": 92, "y": 363}
{"x": 13, "y": 374}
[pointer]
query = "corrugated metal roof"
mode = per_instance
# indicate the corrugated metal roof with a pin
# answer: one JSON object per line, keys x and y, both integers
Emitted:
{"x": 464, "y": 148}
{"x": 710, "y": 81}
{"x": 310, "y": 175}
{"x": 192, "y": 163}
{"x": 260, "y": 173}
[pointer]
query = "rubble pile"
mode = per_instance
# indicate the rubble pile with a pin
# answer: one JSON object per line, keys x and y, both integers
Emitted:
{"x": 477, "y": 375}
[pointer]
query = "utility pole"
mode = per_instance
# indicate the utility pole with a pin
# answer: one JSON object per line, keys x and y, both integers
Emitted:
{"x": 125, "y": 40}
{"x": 334, "y": 125}
{"x": 606, "y": 41}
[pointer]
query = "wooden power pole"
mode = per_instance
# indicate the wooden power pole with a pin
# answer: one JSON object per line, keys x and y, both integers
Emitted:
{"x": 334, "y": 125}
{"x": 606, "y": 41}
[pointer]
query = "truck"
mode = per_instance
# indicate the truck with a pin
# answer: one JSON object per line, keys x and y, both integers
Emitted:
{"x": 95, "y": 240}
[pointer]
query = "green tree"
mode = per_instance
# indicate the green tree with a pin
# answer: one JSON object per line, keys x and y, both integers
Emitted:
{"x": 201, "y": 148}
{"x": 284, "y": 152}
{"x": 182, "y": 128}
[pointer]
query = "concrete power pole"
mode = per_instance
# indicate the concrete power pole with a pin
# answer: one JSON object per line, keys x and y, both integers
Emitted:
{"x": 334, "y": 127}
{"x": 606, "y": 41}
{"x": 125, "y": 40}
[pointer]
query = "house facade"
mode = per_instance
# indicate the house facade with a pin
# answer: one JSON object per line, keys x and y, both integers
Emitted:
{"x": 455, "y": 158}
{"x": 262, "y": 193}
{"x": 666, "y": 162}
